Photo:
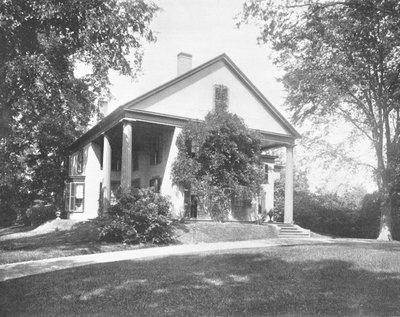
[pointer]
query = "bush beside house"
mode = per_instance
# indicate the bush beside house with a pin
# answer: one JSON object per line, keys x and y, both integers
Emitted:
{"x": 331, "y": 214}
{"x": 325, "y": 214}
{"x": 139, "y": 216}
{"x": 39, "y": 213}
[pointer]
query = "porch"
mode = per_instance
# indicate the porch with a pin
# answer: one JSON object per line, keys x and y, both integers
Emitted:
{"x": 139, "y": 151}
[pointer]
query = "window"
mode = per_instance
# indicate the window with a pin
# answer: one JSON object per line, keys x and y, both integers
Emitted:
{"x": 188, "y": 145}
{"x": 79, "y": 162}
{"x": 156, "y": 183}
{"x": 266, "y": 173}
{"x": 75, "y": 196}
{"x": 115, "y": 185}
{"x": 76, "y": 163}
{"x": 221, "y": 97}
{"x": 238, "y": 202}
{"x": 135, "y": 183}
{"x": 156, "y": 150}
{"x": 115, "y": 164}
{"x": 192, "y": 147}
{"x": 195, "y": 146}
{"x": 241, "y": 201}
{"x": 135, "y": 160}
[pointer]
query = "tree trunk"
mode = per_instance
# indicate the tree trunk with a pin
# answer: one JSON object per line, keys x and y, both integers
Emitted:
{"x": 385, "y": 230}
{"x": 4, "y": 111}
{"x": 387, "y": 205}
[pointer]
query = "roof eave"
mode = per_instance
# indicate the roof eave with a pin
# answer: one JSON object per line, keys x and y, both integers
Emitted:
{"x": 264, "y": 100}
{"x": 119, "y": 113}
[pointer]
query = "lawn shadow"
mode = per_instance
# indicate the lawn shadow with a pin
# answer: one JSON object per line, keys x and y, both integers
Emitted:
{"x": 179, "y": 228}
{"x": 392, "y": 246}
{"x": 245, "y": 283}
{"x": 81, "y": 235}
{"x": 15, "y": 229}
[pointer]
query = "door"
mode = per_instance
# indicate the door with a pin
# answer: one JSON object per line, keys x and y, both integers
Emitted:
{"x": 191, "y": 203}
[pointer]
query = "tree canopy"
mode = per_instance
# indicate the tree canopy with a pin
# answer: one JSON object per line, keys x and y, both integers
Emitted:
{"x": 342, "y": 58}
{"x": 43, "y": 105}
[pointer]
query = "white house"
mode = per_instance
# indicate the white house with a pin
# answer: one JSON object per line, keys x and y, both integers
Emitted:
{"x": 135, "y": 145}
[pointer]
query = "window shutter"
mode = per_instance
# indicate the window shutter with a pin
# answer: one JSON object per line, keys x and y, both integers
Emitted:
{"x": 221, "y": 97}
{"x": 79, "y": 165}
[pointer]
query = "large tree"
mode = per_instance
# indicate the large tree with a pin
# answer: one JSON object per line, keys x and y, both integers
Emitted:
{"x": 43, "y": 105}
{"x": 342, "y": 58}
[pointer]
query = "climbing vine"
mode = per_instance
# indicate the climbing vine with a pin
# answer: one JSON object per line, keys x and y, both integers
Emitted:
{"x": 218, "y": 160}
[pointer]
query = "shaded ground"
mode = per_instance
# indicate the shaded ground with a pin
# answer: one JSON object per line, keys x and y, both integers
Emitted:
{"x": 35, "y": 245}
{"x": 197, "y": 232}
{"x": 15, "y": 229}
{"x": 18, "y": 244}
{"x": 343, "y": 279}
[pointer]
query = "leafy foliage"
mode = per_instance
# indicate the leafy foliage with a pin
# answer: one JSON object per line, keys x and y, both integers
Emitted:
{"x": 12, "y": 202}
{"x": 341, "y": 58}
{"x": 43, "y": 106}
{"x": 330, "y": 213}
{"x": 323, "y": 213}
{"x": 326, "y": 213}
{"x": 139, "y": 216}
{"x": 218, "y": 159}
{"x": 369, "y": 216}
{"x": 39, "y": 213}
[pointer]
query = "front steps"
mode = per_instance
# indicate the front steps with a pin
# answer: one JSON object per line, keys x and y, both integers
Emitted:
{"x": 288, "y": 230}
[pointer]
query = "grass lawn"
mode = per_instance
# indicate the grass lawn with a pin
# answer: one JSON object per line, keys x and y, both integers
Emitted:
{"x": 20, "y": 244}
{"x": 351, "y": 279}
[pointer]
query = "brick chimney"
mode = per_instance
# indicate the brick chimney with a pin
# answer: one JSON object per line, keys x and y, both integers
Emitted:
{"x": 184, "y": 63}
{"x": 103, "y": 105}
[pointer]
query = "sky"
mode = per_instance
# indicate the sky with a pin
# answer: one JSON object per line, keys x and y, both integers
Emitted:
{"x": 204, "y": 29}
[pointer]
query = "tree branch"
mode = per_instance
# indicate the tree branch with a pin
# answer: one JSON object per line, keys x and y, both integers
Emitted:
{"x": 310, "y": 2}
{"x": 368, "y": 112}
{"x": 347, "y": 116}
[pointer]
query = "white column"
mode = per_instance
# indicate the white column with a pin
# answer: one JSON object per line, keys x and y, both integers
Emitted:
{"x": 288, "y": 214}
{"x": 264, "y": 200}
{"x": 93, "y": 179}
{"x": 106, "y": 186}
{"x": 126, "y": 161}
{"x": 167, "y": 187}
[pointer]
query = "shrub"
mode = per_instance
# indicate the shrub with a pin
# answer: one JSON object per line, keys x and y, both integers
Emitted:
{"x": 331, "y": 214}
{"x": 117, "y": 229}
{"x": 22, "y": 219}
{"x": 8, "y": 214}
{"x": 322, "y": 213}
{"x": 370, "y": 215}
{"x": 325, "y": 213}
{"x": 139, "y": 216}
{"x": 39, "y": 213}
{"x": 13, "y": 203}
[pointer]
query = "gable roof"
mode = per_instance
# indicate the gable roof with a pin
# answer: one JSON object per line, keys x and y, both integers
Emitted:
{"x": 118, "y": 114}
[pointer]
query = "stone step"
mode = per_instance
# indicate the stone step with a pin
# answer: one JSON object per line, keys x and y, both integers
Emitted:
{"x": 291, "y": 229}
{"x": 279, "y": 224}
{"x": 301, "y": 233}
{"x": 288, "y": 230}
{"x": 293, "y": 232}
{"x": 293, "y": 237}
